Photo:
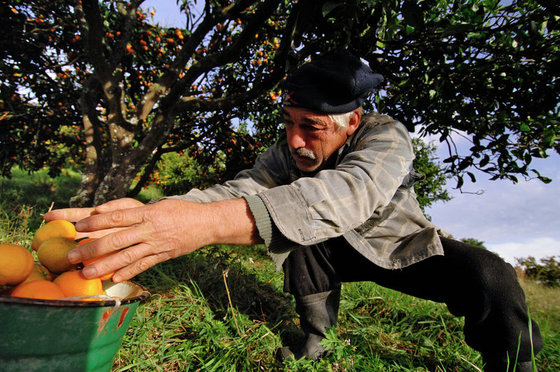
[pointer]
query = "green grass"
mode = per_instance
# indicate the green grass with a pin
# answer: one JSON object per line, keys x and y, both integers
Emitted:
{"x": 189, "y": 324}
{"x": 223, "y": 309}
{"x": 36, "y": 193}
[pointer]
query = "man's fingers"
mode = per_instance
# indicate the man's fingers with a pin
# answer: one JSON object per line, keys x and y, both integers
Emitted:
{"x": 126, "y": 263}
{"x": 122, "y": 238}
{"x": 117, "y": 218}
{"x": 124, "y": 203}
{"x": 139, "y": 266}
{"x": 98, "y": 234}
{"x": 76, "y": 214}
{"x": 69, "y": 214}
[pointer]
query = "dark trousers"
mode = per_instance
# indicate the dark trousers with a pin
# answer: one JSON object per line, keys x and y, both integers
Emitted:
{"x": 472, "y": 281}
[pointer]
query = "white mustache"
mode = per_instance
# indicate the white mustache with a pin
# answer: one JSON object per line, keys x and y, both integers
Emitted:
{"x": 304, "y": 153}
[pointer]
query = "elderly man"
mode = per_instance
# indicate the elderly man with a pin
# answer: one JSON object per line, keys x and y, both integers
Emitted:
{"x": 333, "y": 202}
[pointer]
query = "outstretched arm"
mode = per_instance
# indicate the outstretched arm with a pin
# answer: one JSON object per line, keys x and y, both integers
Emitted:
{"x": 144, "y": 235}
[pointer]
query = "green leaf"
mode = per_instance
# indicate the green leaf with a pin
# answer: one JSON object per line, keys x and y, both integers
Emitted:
{"x": 330, "y": 6}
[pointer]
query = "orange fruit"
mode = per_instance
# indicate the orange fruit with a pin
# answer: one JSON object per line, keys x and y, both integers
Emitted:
{"x": 85, "y": 240}
{"x": 16, "y": 264}
{"x": 39, "y": 272}
{"x": 53, "y": 253}
{"x": 53, "y": 229}
{"x": 39, "y": 289}
{"x": 93, "y": 260}
{"x": 73, "y": 283}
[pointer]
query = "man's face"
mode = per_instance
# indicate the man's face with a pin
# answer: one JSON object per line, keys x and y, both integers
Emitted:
{"x": 314, "y": 138}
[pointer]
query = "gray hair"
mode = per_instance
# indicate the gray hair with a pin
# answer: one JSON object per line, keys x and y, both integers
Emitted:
{"x": 341, "y": 120}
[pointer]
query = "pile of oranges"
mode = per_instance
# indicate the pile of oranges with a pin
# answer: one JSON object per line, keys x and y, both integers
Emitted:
{"x": 52, "y": 276}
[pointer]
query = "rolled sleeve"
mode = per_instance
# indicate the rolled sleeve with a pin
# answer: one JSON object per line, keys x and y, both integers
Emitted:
{"x": 267, "y": 230}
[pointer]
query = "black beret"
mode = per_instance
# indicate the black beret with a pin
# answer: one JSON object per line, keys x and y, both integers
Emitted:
{"x": 334, "y": 83}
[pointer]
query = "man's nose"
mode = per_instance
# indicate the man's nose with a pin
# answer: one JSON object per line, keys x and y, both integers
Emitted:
{"x": 295, "y": 138}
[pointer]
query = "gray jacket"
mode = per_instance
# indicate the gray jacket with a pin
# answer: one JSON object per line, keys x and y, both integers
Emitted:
{"x": 368, "y": 198}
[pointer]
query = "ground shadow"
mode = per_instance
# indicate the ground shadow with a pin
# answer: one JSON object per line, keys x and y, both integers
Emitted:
{"x": 266, "y": 303}
{"x": 262, "y": 302}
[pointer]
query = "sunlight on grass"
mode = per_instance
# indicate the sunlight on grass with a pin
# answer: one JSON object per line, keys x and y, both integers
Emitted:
{"x": 544, "y": 303}
{"x": 191, "y": 324}
{"x": 38, "y": 191}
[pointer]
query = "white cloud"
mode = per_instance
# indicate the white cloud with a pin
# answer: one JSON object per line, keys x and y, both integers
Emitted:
{"x": 538, "y": 248}
{"x": 505, "y": 212}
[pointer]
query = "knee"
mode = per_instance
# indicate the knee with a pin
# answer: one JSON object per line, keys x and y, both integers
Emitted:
{"x": 492, "y": 275}
{"x": 481, "y": 269}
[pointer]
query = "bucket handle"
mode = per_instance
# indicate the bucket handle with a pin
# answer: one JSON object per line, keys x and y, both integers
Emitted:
{"x": 116, "y": 306}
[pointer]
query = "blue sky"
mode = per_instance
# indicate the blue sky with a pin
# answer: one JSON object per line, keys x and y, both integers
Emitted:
{"x": 513, "y": 220}
{"x": 166, "y": 12}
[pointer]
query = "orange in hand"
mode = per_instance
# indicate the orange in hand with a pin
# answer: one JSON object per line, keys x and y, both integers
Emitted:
{"x": 85, "y": 240}
{"x": 73, "y": 283}
{"x": 53, "y": 229}
{"x": 38, "y": 289}
{"x": 93, "y": 260}
{"x": 16, "y": 264}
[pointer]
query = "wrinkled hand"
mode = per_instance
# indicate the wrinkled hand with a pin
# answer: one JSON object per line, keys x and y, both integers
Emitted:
{"x": 76, "y": 214}
{"x": 142, "y": 236}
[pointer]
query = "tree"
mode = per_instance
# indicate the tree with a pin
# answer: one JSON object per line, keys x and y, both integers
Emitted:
{"x": 482, "y": 68}
{"x": 474, "y": 242}
{"x": 38, "y": 98}
{"x": 138, "y": 90}
{"x": 431, "y": 187}
{"x": 96, "y": 81}
{"x": 546, "y": 272}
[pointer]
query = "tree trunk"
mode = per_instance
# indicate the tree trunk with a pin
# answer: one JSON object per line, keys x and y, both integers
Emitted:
{"x": 92, "y": 174}
{"x": 116, "y": 183}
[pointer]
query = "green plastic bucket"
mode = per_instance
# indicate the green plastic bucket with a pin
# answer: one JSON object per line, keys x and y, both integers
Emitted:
{"x": 66, "y": 335}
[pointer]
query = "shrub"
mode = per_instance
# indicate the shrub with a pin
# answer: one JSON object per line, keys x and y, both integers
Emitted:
{"x": 177, "y": 174}
{"x": 547, "y": 272}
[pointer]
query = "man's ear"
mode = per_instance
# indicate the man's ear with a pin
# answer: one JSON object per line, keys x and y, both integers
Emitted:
{"x": 354, "y": 122}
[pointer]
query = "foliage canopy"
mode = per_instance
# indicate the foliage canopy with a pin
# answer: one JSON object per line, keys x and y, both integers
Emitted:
{"x": 98, "y": 83}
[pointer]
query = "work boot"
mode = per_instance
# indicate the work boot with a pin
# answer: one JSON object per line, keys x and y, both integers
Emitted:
{"x": 500, "y": 365}
{"x": 317, "y": 312}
